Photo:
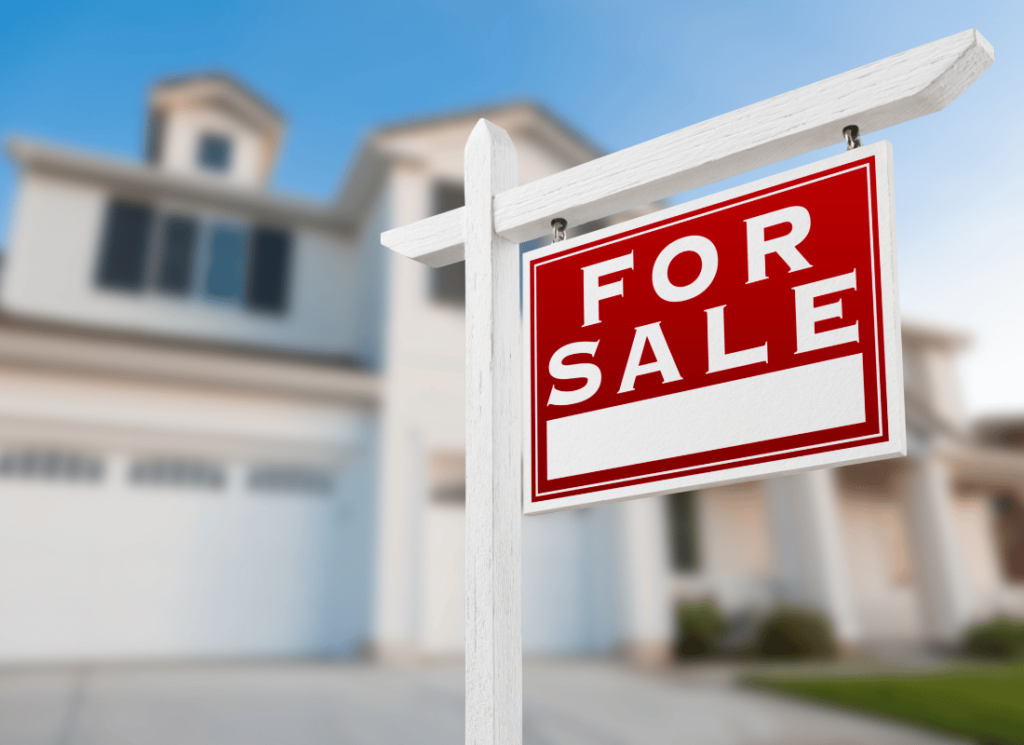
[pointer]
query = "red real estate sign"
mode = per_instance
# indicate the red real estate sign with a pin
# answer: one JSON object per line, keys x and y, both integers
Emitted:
{"x": 744, "y": 335}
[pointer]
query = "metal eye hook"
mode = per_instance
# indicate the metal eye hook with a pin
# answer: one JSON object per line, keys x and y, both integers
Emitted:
{"x": 558, "y": 226}
{"x": 852, "y": 135}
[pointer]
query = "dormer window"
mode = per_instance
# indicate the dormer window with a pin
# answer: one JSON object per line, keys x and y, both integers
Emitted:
{"x": 213, "y": 125}
{"x": 214, "y": 152}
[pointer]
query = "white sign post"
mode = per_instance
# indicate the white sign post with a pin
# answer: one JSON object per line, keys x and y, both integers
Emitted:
{"x": 499, "y": 214}
{"x": 494, "y": 651}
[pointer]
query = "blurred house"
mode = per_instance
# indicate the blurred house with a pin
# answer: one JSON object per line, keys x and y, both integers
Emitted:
{"x": 909, "y": 550}
{"x": 231, "y": 424}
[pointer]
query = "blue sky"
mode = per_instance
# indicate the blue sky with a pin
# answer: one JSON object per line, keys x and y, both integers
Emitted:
{"x": 621, "y": 72}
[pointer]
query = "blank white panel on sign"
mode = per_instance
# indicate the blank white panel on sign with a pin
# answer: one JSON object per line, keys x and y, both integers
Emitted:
{"x": 822, "y": 395}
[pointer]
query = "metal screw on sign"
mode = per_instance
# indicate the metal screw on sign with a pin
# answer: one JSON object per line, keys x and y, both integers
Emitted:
{"x": 558, "y": 226}
{"x": 852, "y": 135}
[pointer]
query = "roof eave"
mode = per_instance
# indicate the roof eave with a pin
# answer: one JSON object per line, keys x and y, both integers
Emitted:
{"x": 149, "y": 181}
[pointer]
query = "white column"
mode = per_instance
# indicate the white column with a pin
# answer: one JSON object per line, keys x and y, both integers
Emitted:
{"x": 401, "y": 492}
{"x": 646, "y": 587}
{"x": 941, "y": 574}
{"x": 809, "y": 549}
{"x": 494, "y": 651}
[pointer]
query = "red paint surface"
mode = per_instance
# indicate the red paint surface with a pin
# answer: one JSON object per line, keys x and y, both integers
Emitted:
{"x": 843, "y": 237}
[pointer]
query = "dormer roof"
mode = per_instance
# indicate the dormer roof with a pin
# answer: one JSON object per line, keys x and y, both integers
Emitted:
{"x": 219, "y": 89}
{"x": 520, "y": 116}
{"x": 214, "y": 124}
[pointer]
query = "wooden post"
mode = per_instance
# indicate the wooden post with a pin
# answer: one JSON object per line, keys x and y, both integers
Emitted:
{"x": 494, "y": 659}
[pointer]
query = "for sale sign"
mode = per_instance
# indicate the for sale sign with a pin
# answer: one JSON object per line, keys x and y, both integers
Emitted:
{"x": 744, "y": 335}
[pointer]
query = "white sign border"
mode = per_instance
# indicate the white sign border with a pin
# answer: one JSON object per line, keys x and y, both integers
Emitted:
{"x": 895, "y": 412}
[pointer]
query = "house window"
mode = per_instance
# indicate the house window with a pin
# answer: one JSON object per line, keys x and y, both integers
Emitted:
{"x": 1009, "y": 514}
{"x": 177, "y": 473}
{"x": 270, "y": 255}
{"x": 684, "y": 531}
{"x": 237, "y": 265}
{"x": 225, "y": 275}
{"x": 214, "y": 152}
{"x": 50, "y": 465}
{"x": 124, "y": 248}
{"x": 297, "y": 480}
{"x": 176, "y": 251}
{"x": 448, "y": 283}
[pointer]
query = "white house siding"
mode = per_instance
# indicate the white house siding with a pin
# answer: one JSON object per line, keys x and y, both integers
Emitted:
{"x": 442, "y": 608}
{"x": 422, "y": 411}
{"x": 115, "y": 569}
{"x": 51, "y": 257}
{"x": 52, "y": 267}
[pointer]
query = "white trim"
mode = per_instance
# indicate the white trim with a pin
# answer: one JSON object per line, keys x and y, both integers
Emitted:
{"x": 145, "y": 182}
{"x": 68, "y": 349}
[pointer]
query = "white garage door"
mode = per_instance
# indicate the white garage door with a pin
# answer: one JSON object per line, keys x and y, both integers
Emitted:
{"x": 107, "y": 557}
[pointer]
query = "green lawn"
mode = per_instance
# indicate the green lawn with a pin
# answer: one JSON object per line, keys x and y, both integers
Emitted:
{"x": 984, "y": 703}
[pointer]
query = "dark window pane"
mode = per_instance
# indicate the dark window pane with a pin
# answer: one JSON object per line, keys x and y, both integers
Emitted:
{"x": 685, "y": 533}
{"x": 214, "y": 152}
{"x": 123, "y": 256}
{"x": 50, "y": 465}
{"x": 179, "y": 239}
{"x": 268, "y": 272}
{"x": 177, "y": 473}
{"x": 447, "y": 197}
{"x": 291, "y": 480}
{"x": 1010, "y": 532}
{"x": 448, "y": 283}
{"x": 225, "y": 276}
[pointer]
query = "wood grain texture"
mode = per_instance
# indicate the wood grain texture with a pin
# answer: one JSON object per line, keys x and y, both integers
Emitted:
{"x": 893, "y": 90}
{"x": 494, "y": 686}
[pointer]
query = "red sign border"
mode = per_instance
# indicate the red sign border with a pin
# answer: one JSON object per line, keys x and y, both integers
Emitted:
{"x": 890, "y": 442}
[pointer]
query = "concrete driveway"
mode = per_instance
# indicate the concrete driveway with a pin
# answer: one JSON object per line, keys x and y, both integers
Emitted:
{"x": 568, "y": 703}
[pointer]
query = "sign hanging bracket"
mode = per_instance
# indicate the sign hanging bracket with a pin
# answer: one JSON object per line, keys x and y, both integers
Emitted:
{"x": 558, "y": 226}
{"x": 852, "y": 135}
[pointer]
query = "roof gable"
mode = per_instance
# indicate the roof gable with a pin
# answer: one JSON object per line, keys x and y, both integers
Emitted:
{"x": 221, "y": 90}
{"x": 420, "y": 140}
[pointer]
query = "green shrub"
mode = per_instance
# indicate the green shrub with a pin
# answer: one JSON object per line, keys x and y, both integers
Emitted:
{"x": 699, "y": 628}
{"x": 796, "y": 633}
{"x": 1001, "y": 638}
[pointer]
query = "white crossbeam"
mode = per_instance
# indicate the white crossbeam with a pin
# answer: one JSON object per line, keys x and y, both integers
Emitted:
{"x": 893, "y": 90}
